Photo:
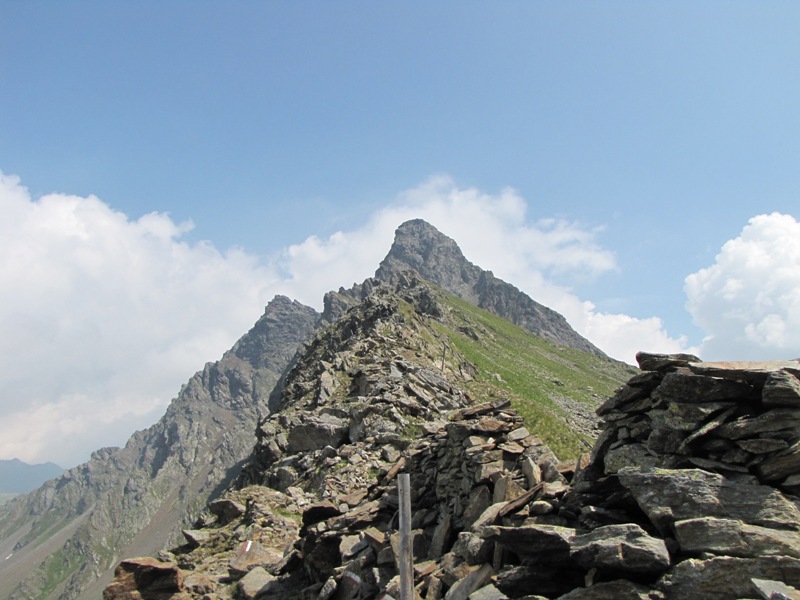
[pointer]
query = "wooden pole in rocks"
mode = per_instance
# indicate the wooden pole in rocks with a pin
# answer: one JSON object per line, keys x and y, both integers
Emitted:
{"x": 406, "y": 559}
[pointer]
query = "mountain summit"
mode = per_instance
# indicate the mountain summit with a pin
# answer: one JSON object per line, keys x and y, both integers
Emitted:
{"x": 437, "y": 258}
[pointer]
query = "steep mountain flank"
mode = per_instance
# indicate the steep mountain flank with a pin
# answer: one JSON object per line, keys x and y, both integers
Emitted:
{"x": 135, "y": 499}
{"x": 438, "y": 259}
{"x": 385, "y": 387}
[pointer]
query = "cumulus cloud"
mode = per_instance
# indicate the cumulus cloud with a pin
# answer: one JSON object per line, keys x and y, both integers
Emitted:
{"x": 748, "y": 301}
{"x": 105, "y": 316}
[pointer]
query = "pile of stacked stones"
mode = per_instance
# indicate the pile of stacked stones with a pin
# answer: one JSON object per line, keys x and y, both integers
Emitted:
{"x": 479, "y": 466}
{"x": 697, "y": 469}
{"x": 735, "y": 418}
{"x": 660, "y": 510}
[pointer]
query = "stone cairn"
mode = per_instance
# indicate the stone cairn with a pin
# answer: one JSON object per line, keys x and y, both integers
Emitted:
{"x": 689, "y": 493}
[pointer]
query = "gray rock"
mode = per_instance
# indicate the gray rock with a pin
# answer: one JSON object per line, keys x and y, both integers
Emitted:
{"x": 620, "y": 589}
{"x": 782, "y": 388}
{"x": 226, "y": 510}
{"x": 519, "y": 581}
{"x": 473, "y": 549}
{"x": 667, "y": 495}
{"x": 251, "y": 554}
{"x": 626, "y": 455}
{"x": 775, "y": 420}
{"x": 488, "y": 592}
{"x": 197, "y": 537}
{"x": 479, "y": 500}
{"x": 475, "y": 580}
{"x": 683, "y": 386}
{"x": 441, "y": 536}
{"x": 316, "y": 432}
{"x": 661, "y": 362}
{"x": 545, "y": 544}
{"x": 775, "y": 590}
{"x": 726, "y": 577}
{"x": 775, "y": 468}
{"x": 755, "y": 372}
{"x": 735, "y": 538}
{"x": 626, "y": 548}
{"x": 257, "y": 581}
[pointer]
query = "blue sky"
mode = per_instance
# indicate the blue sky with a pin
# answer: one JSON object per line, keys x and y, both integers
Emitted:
{"x": 596, "y": 152}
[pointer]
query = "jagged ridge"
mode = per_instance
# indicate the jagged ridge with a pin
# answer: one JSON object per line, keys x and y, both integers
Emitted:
{"x": 135, "y": 499}
{"x": 438, "y": 259}
{"x": 373, "y": 391}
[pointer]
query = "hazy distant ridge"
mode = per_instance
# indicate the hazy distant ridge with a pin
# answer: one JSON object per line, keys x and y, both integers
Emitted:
{"x": 17, "y": 477}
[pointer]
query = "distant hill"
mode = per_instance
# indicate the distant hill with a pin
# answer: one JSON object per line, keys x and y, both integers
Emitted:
{"x": 17, "y": 477}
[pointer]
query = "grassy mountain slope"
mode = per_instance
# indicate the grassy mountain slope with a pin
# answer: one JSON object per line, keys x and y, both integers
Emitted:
{"x": 554, "y": 387}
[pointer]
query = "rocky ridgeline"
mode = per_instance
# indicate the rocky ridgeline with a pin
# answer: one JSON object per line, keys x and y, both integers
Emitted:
{"x": 67, "y": 536}
{"x": 688, "y": 492}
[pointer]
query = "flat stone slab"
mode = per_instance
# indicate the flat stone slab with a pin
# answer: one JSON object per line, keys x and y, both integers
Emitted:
{"x": 254, "y": 583}
{"x": 627, "y": 548}
{"x": 621, "y": 589}
{"x": 727, "y": 577}
{"x": 752, "y": 371}
{"x": 548, "y": 544}
{"x": 669, "y": 495}
{"x": 735, "y": 538}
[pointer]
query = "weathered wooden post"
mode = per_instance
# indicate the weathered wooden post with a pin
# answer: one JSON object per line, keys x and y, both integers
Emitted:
{"x": 406, "y": 559}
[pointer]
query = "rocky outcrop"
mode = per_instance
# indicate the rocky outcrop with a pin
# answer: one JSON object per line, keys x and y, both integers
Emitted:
{"x": 700, "y": 455}
{"x": 135, "y": 500}
{"x": 738, "y": 419}
{"x": 495, "y": 514}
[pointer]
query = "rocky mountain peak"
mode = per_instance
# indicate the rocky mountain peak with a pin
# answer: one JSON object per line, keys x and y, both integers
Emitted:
{"x": 437, "y": 258}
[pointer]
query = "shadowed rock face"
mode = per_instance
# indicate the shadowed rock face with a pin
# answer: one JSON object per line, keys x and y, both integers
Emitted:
{"x": 135, "y": 500}
{"x": 436, "y": 258}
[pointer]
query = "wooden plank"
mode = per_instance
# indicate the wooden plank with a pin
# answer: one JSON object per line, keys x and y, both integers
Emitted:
{"x": 405, "y": 559}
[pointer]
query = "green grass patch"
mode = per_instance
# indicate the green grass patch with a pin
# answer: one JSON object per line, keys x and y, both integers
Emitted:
{"x": 532, "y": 372}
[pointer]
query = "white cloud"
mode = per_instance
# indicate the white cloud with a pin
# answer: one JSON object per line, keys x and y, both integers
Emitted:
{"x": 748, "y": 301}
{"x": 104, "y": 316}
